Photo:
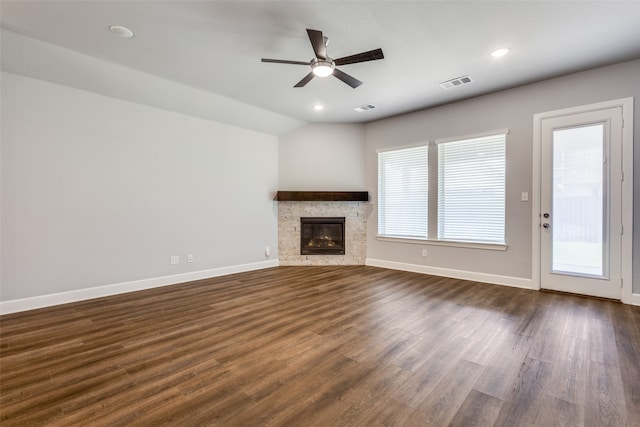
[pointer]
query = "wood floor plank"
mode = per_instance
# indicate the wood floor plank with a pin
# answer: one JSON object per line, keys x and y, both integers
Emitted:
{"x": 364, "y": 398}
{"x": 605, "y": 396}
{"x": 569, "y": 372}
{"x": 558, "y": 412}
{"x": 330, "y": 346}
{"x": 478, "y": 409}
{"x": 502, "y": 372}
{"x": 524, "y": 405}
{"x": 388, "y": 413}
{"x": 626, "y": 323}
{"x": 441, "y": 405}
{"x": 424, "y": 381}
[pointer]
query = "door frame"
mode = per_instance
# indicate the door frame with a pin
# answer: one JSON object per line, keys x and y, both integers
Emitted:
{"x": 626, "y": 250}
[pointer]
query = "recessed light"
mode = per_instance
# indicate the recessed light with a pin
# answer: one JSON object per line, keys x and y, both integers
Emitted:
{"x": 121, "y": 31}
{"x": 318, "y": 107}
{"x": 498, "y": 53}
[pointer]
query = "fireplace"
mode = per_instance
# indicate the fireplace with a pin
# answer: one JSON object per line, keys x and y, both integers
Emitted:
{"x": 322, "y": 236}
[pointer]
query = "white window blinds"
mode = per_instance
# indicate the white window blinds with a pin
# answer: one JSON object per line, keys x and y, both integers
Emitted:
{"x": 471, "y": 189}
{"x": 402, "y": 192}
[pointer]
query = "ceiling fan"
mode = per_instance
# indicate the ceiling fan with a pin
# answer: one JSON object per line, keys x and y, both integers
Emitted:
{"x": 323, "y": 66}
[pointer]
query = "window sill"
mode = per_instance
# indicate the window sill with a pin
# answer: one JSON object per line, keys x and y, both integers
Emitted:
{"x": 450, "y": 243}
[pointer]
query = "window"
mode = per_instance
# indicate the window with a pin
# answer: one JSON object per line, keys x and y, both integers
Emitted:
{"x": 468, "y": 197}
{"x": 471, "y": 183}
{"x": 403, "y": 192}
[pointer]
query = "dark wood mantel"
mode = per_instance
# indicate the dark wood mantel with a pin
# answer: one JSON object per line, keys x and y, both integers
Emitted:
{"x": 322, "y": 196}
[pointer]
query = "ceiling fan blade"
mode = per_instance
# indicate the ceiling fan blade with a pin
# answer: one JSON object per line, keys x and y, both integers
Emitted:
{"x": 284, "y": 61}
{"x": 305, "y": 80}
{"x": 317, "y": 41}
{"x": 351, "y": 81}
{"x": 371, "y": 55}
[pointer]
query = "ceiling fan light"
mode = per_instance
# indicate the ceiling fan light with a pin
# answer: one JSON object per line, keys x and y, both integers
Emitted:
{"x": 323, "y": 68}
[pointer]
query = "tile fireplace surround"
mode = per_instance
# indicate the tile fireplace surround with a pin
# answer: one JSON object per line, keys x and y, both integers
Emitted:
{"x": 289, "y": 214}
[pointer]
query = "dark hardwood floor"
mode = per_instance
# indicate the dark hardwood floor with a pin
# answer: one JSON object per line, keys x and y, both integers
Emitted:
{"x": 324, "y": 346}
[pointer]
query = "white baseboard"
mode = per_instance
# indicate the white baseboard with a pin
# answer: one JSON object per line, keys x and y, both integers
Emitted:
{"x": 632, "y": 299}
{"x": 516, "y": 282}
{"x": 31, "y": 303}
{"x": 495, "y": 279}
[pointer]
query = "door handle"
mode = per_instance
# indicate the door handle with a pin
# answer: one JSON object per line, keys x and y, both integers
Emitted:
{"x": 546, "y": 225}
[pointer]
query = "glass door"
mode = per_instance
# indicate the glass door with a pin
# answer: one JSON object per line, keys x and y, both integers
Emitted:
{"x": 580, "y": 220}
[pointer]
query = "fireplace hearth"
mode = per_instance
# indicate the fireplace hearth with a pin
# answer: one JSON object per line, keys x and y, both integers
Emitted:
{"x": 322, "y": 236}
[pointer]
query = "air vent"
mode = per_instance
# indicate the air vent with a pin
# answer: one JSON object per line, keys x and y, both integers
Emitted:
{"x": 458, "y": 81}
{"x": 367, "y": 107}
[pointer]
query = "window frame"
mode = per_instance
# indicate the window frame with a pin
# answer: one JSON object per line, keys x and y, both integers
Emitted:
{"x": 480, "y": 183}
{"x": 380, "y": 197}
{"x": 433, "y": 196}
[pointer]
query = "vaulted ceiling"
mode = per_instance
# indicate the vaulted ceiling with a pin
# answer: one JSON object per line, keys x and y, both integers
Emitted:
{"x": 215, "y": 47}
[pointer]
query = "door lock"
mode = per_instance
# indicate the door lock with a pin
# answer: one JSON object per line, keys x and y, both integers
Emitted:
{"x": 546, "y": 225}
{"x": 546, "y": 215}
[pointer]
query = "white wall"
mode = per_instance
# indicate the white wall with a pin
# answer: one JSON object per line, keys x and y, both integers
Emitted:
{"x": 323, "y": 157}
{"x": 513, "y": 109}
{"x": 99, "y": 191}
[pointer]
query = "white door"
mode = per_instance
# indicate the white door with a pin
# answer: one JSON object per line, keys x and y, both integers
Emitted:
{"x": 580, "y": 203}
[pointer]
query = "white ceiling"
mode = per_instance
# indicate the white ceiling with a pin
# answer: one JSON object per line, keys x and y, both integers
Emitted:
{"x": 216, "y": 46}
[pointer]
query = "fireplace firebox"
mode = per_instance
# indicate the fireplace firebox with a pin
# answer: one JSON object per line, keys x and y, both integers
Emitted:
{"x": 322, "y": 236}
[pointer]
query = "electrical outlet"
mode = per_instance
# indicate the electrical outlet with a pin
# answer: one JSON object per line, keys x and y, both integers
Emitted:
{"x": 175, "y": 259}
{"x": 190, "y": 258}
{"x": 424, "y": 252}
